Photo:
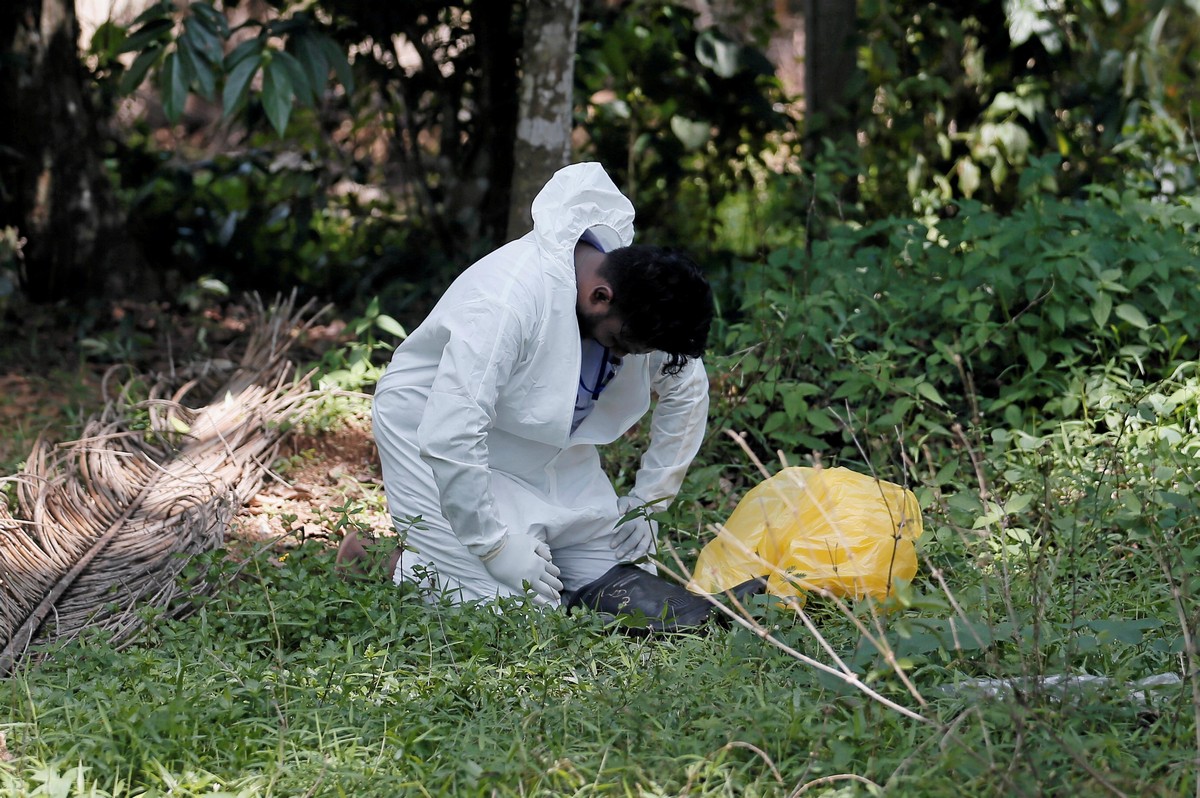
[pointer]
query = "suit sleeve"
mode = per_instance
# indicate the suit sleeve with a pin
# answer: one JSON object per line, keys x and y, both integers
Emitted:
{"x": 483, "y": 342}
{"x": 676, "y": 431}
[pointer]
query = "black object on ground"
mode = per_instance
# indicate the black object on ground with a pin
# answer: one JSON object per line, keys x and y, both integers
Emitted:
{"x": 644, "y": 602}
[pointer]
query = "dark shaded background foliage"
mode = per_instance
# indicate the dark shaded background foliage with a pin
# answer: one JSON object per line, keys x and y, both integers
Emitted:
{"x": 388, "y": 179}
{"x": 989, "y": 296}
{"x": 666, "y": 107}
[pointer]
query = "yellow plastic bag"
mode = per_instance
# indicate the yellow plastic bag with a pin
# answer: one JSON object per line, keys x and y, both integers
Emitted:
{"x": 809, "y": 528}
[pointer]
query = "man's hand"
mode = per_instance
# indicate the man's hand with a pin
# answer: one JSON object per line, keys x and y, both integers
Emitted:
{"x": 521, "y": 558}
{"x": 636, "y": 537}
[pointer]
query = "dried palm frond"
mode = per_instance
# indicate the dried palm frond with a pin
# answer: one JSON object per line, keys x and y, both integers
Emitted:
{"x": 104, "y": 525}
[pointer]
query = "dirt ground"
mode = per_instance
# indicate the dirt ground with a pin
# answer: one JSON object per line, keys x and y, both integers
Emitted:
{"x": 53, "y": 374}
{"x": 329, "y": 480}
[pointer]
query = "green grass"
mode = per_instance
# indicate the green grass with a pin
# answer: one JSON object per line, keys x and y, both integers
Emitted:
{"x": 1078, "y": 559}
{"x": 1062, "y": 538}
{"x": 294, "y": 682}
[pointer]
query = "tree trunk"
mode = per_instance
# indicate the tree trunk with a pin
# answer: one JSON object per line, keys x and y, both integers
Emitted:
{"x": 829, "y": 65}
{"x": 543, "y": 143}
{"x": 497, "y": 39}
{"x": 52, "y": 185}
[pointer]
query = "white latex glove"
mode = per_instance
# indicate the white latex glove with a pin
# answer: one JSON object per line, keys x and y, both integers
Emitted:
{"x": 636, "y": 537}
{"x": 521, "y": 558}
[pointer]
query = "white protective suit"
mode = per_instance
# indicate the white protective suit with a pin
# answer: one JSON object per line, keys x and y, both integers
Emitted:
{"x": 473, "y": 415}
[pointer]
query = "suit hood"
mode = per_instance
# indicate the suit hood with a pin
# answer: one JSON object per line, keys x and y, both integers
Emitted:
{"x": 578, "y": 198}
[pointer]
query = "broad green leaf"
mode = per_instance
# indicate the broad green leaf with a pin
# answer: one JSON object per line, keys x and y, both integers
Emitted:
{"x": 1033, "y": 352}
{"x": 775, "y": 422}
{"x": 852, "y": 388}
{"x": 992, "y": 516}
{"x": 314, "y": 60}
{"x": 109, "y": 39}
{"x": 337, "y": 59}
{"x": 1126, "y": 631}
{"x": 1025, "y": 21}
{"x": 277, "y": 94}
{"x": 163, "y": 8}
{"x": 1089, "y": 288}
{"x": 141, "y": 65}
{"x": 196, "y": 70}
{"x": 390, "y": 326}
{"x": 1057, "y": 316}
{"x": 172, "y": 87}
{"x": 213, "y": 286}
{"x": 1164, "y": 473}
{"x": 248, "y": 48}
{"x": 946, "y": 473}
{"x": 185, "y": 61}
{"x": 157, "y": 31}
{"x": 305, "y": 92}
{"x": 286, "y": 26}
{"x": 1139, "y": 274}
{"x": 1037, "y": 359}
{"x": 819, "y": 420}
{"x": 929, "y": 392}
{"x": 1014, "y": 138}
{"x": 237, "y": 84}
{"x": 999, "y": 172}
{"x": 1102, "y": 309}
{"x": 794, "y": 404}
{"x": 209, "y": 47}
{"x": 1165, "y": 295}
{"x": 965, "y": 501}
{"x": 213, "y": 19}
{"x": 1018, "y": 502}
{"x": 205, "y": 81}
{"x": 1133, "y": 315}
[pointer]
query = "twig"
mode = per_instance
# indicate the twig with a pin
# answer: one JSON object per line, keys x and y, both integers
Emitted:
{"x": 803, "y": 788}
{"x": 976, "y": 462}
{"x": 879, "y": 642}
{"x": 969, "y": 384}
{"x": 1189, "y": 647}
{"x": 761, "y": 754}
{"x": 740, "y": 438}
{"x": 757, "y": 628}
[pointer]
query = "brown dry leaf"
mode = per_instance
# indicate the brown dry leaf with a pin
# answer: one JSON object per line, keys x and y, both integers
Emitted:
{"x": 99, "y": 523}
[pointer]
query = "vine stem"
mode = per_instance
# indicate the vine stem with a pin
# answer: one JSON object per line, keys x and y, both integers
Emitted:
{"x": 1189, "y": 647}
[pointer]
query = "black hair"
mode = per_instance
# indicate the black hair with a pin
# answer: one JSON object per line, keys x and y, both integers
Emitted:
{"x": 663, "y": 300}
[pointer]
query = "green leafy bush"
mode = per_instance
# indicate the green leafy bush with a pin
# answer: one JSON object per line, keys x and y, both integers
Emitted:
{"x": 962, "y": 101}
{"x": 1057, "y": 569}
{"x": 682, "y": 117}
{"x": 265, "y": 220}
{"x": 979, "y": 319}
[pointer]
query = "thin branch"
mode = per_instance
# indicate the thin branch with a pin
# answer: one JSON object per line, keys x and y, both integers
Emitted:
{"x": 753, "y": 626}
{"x": 836, "y": 777}
{"x": 1189, "y": 647}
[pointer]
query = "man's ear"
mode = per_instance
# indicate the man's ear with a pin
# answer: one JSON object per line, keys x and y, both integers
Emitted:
{"x": 601, "y": 294}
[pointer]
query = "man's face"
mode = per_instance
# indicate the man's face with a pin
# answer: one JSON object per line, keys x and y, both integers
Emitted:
{"x": 607, "y": 329}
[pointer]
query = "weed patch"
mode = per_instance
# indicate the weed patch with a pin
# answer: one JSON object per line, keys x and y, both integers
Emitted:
{"x": 1046, "y": 646}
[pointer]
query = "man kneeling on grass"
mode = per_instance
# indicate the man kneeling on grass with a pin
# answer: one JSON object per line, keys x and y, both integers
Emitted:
{"x": 489, "y": 415}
